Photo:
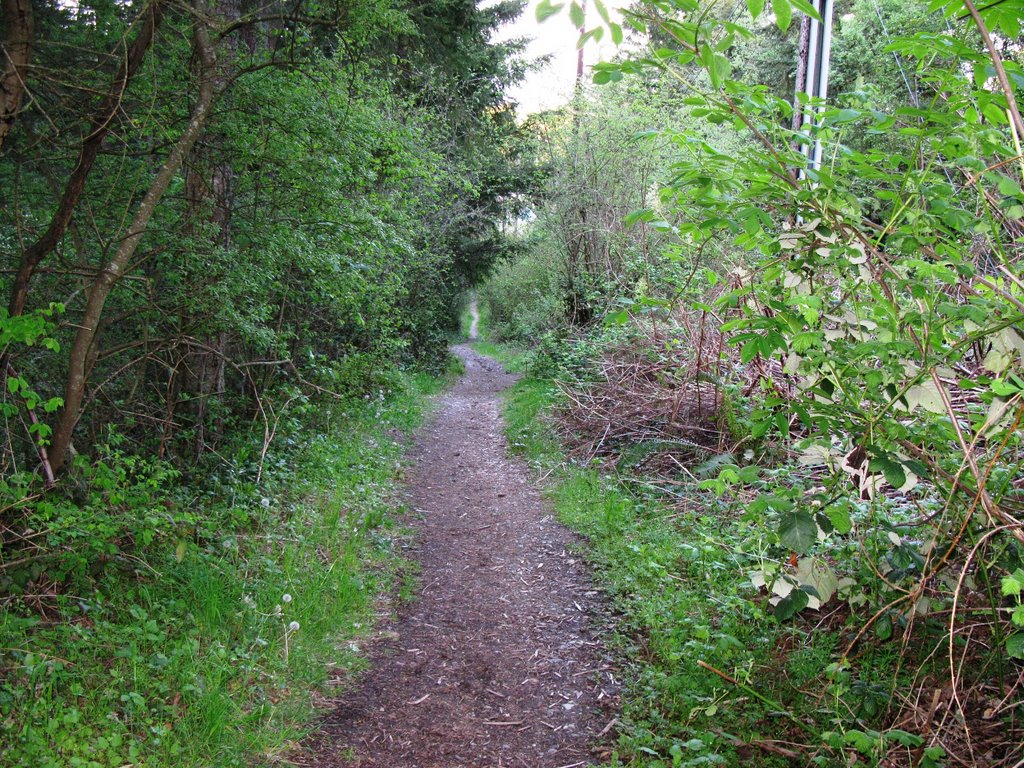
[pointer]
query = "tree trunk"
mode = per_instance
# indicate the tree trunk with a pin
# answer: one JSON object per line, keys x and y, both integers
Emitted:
{"x": 210, "y": 191}
{"x": 803, "y": 51}
{"x": 17, "y": 53}
{"x": 100, "y": 124}
{"x": 88, "y": 328}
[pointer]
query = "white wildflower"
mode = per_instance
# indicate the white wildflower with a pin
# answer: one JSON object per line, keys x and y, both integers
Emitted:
{"x": 293, "y": 627}
{"x": 265, "y": 502}
{"x": 286, "y": 598}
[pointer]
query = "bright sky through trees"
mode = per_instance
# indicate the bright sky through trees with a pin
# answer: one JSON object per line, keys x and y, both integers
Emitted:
{"x": 551, "y": 85}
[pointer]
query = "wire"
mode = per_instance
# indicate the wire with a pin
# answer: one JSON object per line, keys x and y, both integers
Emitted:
{"x": 914, "y": 99}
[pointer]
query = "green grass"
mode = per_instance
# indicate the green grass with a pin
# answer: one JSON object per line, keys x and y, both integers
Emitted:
{"x": 676, "y": 586}
{"x": 510, "y": 356}
{"x": 184, "y": 652}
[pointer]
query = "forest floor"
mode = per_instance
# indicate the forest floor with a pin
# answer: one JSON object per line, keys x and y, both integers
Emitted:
{"x": 496, "y": 661}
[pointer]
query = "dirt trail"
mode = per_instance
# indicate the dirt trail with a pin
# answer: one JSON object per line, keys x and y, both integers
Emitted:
{"x": 495, "y": 662}
{"x": 474, "y": 320}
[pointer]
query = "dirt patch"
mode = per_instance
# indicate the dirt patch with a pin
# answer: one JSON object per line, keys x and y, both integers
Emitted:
{"x": 496, "y": 662}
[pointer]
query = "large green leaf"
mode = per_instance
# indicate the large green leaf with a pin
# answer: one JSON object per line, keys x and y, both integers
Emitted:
{"x": 797, "y": 530}
{"x": 546, "y": 9}
{"x": 576, "y": 15}
{"x": 783, "y": 13}
{"x": 1015, "y": 645}
{"x": 793, "y": 603}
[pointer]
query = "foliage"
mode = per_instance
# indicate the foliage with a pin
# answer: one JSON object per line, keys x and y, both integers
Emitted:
{"x": 236, "y": 232}
{"x": 685, "y": 608}
{"x": 171, "y": 641}
{"x": 872, "y": 308}
{"x": 333, "y": 204}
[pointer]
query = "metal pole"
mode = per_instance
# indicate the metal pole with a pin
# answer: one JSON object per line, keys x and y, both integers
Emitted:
{"x": 819, "y": 54}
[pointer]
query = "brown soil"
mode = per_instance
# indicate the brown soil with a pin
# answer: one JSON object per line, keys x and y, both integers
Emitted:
{"x": 496, "y": 661}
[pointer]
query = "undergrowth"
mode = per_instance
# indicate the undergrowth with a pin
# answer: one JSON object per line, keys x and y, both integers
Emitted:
{"x": 202, "y": 638}
{"x": 710, "y": 676}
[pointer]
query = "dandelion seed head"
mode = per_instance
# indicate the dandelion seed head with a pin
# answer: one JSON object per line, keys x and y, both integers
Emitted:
{"x": 293, "y": 627}
{"x": 286, "y": 598}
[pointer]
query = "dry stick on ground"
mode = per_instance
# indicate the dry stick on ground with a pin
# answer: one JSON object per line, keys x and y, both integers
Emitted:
{"x": 646, "y": 393}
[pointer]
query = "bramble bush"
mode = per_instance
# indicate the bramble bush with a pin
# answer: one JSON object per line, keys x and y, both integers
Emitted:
{"x": 874, "y": 309}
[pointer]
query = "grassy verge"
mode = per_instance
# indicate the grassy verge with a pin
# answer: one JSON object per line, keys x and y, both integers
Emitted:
{"x": 675, "y": 581}
{"x": 207, "y": 644}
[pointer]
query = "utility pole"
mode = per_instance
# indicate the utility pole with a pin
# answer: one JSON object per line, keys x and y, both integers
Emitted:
{"x": 812, "y": 73}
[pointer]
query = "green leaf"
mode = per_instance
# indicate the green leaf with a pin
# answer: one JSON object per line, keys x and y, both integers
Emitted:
{"x": 893, "y": 470}
{"x": 749, "y": 474}
{"x": 860, "y": 741}
{"x": 616, "y": 31}
{"x": 617, "y": 318}
{"x": 788, "y": 606}
{"x": 1006, "y": 387}
{"x": 576, "y": 15}
{"x": 840, "y": 519}
{"x": 749, "y": 351}
{"x": 755, "y": 7}
{"x": 904, "y": 738}
{"x": 807, "y": 8}
{"x": 797, "y": 530}
{"x": 883, "y": 628}
{"x": 719, "y": 70}
{"x": 783, "y": 13}
{"x": 1011, "y": 586}
{"x": 782, "y": 423}
{"x": 1017, "y": 617}
{"x": 596, "y": 33}
{"x": 546, "y": 9}
{"x": 641, "y": 214}
{"x": 1008, "y": 186}
{"x": 1015, "y": 645}
{"x": 844, "y": 116}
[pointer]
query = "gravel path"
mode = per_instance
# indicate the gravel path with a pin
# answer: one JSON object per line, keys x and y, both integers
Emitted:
{"x": 495, "y": 663}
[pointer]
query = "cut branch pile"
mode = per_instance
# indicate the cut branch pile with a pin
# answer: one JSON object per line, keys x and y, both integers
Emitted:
{"x": 651, "y": 403}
